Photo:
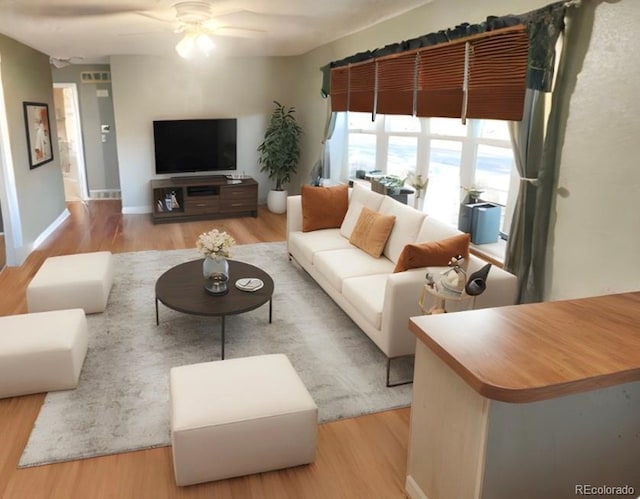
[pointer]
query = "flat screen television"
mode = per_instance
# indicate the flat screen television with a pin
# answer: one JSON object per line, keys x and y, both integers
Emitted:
{"x": 199, "y": 145}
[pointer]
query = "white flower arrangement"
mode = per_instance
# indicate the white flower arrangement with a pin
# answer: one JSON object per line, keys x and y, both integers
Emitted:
{"x": 417, "y": 181}
{"x": 215, "y": 244}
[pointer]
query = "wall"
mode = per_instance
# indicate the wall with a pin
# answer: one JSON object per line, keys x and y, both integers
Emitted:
{"x": 101, "y": 158}
{"x": 150, "y": 88}
{"x": 594, "y": 235}
{"x": 39, "y": 193}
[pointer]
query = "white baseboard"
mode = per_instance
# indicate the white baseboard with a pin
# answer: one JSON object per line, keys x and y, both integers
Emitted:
{"x": 413, "y": 490}
{"x": 23, "y": 252}
{"x": 136, "y": 210}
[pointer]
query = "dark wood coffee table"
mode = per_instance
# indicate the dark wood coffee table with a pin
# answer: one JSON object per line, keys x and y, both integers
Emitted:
{"x": 181, "y": 288}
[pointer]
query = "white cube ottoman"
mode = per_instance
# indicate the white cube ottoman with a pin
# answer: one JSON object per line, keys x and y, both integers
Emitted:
{"x": 238, "y": 417}
{"x": 41, "y": 352}
{"x": 72, "y": 281}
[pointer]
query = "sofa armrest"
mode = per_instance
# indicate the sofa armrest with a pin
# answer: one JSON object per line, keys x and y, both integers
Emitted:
{"x": 402, "y": 293}
{"x": 294, "y": 214}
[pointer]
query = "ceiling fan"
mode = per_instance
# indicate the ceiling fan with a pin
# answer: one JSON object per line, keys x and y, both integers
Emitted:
{"x": 203, "y": 16}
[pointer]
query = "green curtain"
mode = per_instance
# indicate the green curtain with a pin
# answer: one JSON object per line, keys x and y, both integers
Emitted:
{"x": 527, "y": 138}
{"x": 538, "y": 146}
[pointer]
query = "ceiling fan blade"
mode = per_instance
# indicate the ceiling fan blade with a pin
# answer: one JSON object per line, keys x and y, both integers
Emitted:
{"x": 236, "y": 31}
{"x": 71, "y": 10}
{"x": 144, "y": 33}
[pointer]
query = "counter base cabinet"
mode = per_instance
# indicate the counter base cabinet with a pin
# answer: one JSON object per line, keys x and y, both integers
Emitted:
{"x": 200, "y": 198}
{"x": 465, "y": 445}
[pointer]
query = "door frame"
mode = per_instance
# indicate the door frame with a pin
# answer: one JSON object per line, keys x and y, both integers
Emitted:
{"x": 8, "y": 192}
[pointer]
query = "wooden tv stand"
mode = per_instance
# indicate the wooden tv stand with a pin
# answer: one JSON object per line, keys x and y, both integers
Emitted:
{"x": 200, "y": 198}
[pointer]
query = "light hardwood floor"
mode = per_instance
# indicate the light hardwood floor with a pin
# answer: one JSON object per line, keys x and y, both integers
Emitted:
{"x": 362, "y": 457}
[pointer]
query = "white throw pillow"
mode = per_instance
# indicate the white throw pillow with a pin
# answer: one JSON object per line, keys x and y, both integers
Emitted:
{"x": 360, "y": 196}
{"x": 405, "y": 230}
{"x": 351, "y": 218}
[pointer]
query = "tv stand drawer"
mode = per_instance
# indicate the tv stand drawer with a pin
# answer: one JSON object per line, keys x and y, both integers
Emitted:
{"x": 201, "y": 205}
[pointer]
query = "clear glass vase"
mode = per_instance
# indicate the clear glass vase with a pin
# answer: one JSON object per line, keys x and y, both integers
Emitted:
{"x": 216, "y": 274}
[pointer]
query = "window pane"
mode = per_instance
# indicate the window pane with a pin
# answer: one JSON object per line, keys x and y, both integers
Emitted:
{"x": 493, "y": 172}
{"x": 447, "y": 126}
{"x": 362, "y": 152}
{"x": 443, "y": 193}
{"x": 402, "y": 155}
{"x": 494, "y": 129}
{"x": 362, "y": 121}
{"x": 395, "y": 123}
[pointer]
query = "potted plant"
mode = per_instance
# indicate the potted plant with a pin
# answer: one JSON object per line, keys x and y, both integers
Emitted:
{"x": 279, "y": 154}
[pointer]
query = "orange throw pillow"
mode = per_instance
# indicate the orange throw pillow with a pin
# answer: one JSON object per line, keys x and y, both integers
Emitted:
{"x": 323, "y": 207}
{"x": 433, "y": 253}
{"x": 372, "y": 231}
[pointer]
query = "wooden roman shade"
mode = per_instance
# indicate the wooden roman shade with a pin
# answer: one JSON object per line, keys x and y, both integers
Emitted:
{"x": 431, "y": 82}
{"x": 440, "y": 81}
{"x": 497, "y": 77}
{"x": 396, "y": 83}
{"x": 340, "y": 89}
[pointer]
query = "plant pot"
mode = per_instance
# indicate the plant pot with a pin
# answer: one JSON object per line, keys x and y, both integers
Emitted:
{"x": 277, "y": 201}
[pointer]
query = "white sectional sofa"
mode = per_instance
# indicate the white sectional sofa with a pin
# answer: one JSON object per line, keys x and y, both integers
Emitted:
{"x": 379, "y": 301}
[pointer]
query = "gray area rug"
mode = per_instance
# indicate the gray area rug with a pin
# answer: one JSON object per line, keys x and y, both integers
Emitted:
{"x": 122, "y": 401}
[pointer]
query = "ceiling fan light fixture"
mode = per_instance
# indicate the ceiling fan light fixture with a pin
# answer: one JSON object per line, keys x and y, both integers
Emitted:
{"x": 186, "y": 45}
{"x": 205, "y": 44}
{"x": 194, "y": 40}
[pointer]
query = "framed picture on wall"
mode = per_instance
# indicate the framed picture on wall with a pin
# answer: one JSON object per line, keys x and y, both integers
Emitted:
{"x": 36, "y": 118}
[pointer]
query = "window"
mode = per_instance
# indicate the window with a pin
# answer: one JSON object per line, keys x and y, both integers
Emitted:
{"x": 454, "y": 157}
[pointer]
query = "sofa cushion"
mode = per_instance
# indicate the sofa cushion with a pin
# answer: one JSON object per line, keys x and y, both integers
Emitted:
{"x": 433, "y": 229}
{"x": 341, "y": 264}
{"x": 308, "y": 243}
{"x": 432, "y": 253}
{"x": 360, "y": 196}
{"x": 323, "y": 207}
{"x": 405, "y": 230}
{"x": 366, "y": 294}
{"x": 372, "y": 231}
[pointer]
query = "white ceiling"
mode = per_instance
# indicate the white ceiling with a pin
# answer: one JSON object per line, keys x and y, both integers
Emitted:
{"x": 95, "y": 29}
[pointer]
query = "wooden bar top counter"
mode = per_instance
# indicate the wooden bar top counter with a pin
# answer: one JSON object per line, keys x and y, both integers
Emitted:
{"x": 539, "y": 351}
{"x": 526, "y": 401}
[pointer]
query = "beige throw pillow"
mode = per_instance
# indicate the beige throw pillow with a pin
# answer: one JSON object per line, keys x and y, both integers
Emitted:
{"x": 372, "y": 231}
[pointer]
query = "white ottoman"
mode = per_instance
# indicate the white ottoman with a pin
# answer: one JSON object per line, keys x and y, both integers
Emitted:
{"x": 72, "y": 281}
{"x": 41, "y": 352}
{"x": 238, "y": 417}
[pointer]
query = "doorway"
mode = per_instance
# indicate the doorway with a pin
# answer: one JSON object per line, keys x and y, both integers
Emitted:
{"x": 65, "y": 99}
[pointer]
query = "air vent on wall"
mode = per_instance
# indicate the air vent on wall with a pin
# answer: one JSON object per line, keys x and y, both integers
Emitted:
{"x": 95, "y": 76}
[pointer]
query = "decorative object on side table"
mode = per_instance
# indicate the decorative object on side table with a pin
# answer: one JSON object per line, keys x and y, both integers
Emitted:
{"x": 215, "y": 246}
{"x": 452, "y": 286}
{"x": 455, "y": 278}
{"x": 477, "y": 282}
